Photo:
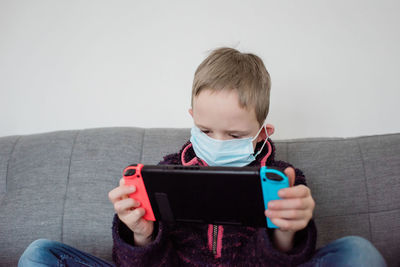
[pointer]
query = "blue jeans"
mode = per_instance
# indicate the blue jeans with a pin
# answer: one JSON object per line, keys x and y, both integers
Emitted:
{"x": 347, "y": 251}
{"x": 43, "y": 252}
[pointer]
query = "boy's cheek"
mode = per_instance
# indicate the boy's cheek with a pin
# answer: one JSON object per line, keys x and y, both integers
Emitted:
{"x": 255, "y": 144}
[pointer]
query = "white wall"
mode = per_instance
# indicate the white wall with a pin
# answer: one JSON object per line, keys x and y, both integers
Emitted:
{"x": 82, "y": 64}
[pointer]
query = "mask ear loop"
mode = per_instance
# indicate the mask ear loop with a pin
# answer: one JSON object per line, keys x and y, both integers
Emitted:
{"x": 264, "y": 160}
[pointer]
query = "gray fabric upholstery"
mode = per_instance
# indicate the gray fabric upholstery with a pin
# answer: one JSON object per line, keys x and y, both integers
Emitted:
{"x": 55, "y": 185}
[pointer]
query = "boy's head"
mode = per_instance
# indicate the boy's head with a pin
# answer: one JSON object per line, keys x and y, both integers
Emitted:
{"x": 228, "y": 69}
{"x": 230, "y": 95}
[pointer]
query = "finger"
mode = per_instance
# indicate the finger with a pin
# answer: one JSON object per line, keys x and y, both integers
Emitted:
{"x": 126, "y": 205}
{"x": 291, "y": 174}
{"x": 138, "y": 224}
{"x": 289, "y": 214}
{"x": 132, "y": 217}
{"x": 135, "y": 217}
{"x": 122, "y": 183}
{"x": 289, "y": 225}
{"x": 289, "y": 204}
{"x": 298, "y": 191}
{"x": 118, "y": 192}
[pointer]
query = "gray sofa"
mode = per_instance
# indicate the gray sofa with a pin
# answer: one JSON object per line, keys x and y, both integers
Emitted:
{"x": 54, "y": 185}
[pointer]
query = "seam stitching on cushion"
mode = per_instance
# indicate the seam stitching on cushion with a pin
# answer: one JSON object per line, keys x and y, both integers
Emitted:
{"x": 67, "y": 185}
{"x": 141, "y": 150}
{"x": 331, "y": 139}
{"x": 8, "y": 161}
{"x": 354, "y": 213}
{"x": 366, "y": 187}
{"x": 287, "y": 152}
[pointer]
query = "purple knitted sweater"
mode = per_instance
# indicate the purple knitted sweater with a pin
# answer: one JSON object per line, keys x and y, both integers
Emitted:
{"x": 185, "y": 244}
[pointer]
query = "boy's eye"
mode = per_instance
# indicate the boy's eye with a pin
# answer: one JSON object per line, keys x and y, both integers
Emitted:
{"x": 205, "y": 131}
{"x": 234, "y": 136}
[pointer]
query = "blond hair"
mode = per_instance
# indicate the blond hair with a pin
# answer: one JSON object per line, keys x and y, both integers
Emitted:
{"x": 227, "y": 68}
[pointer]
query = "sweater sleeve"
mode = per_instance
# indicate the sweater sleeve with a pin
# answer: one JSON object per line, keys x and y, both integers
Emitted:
{"x": 304, "y": 246}
{"x": 158, "y": 252}
{"x": 304, "y": 240}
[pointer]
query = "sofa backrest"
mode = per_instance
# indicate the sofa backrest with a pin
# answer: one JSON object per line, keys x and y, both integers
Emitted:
{"x": 55, "y": 185}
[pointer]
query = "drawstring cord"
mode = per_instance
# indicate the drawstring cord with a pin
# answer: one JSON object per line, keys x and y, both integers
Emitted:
{"x": 264, "y": 160}
{"x": 215, "y": 232}
{"x": 193, "y": 161}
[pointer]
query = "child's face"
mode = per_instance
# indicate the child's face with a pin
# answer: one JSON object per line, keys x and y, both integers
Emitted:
{"x": 218, "y": 114}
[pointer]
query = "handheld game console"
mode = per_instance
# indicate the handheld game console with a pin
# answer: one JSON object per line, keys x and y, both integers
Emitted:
{"x": 199, "y": 194}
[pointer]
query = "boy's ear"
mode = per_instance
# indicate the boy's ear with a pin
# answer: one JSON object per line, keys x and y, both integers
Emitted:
{"x": 270, "y": 129}
{"x": 191, "y": 112}
{"x": 263, "y": 135}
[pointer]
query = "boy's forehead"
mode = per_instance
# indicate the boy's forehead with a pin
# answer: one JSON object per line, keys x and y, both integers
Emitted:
{"x": 222, "y": 108}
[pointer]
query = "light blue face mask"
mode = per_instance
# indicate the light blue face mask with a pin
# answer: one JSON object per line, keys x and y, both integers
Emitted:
{"x": 233, "y": 152}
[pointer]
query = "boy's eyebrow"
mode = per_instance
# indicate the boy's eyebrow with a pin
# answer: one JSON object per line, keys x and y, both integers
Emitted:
{"x": 201, "y": 126}
{"x": 228, "y": 131}
{"x": 237, "y": 131}
{"x": 240, "y": 133}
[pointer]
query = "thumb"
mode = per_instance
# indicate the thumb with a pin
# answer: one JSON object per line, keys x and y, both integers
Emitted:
{"x": 290, "y": 173}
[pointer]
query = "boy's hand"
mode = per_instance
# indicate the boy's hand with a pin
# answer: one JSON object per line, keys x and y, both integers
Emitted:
{"x": 294, "y": 211}
{"x": 130, "y": 213}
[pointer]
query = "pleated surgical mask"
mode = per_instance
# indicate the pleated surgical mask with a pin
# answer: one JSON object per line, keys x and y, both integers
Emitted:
{"x": 232, "y": 152}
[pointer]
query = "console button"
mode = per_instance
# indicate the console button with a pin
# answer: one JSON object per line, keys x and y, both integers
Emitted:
{"x": 274, "y": 177}
{"x": 130, "y": 172}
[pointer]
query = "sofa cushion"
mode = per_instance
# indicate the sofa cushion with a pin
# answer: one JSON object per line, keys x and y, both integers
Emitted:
{"x": 55, "y": 185}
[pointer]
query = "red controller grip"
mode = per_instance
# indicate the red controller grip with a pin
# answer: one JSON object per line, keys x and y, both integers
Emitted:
{"x": 135, "y": 178}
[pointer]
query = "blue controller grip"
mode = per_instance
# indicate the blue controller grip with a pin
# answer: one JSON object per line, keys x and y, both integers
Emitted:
{"x": 272, "y": 180}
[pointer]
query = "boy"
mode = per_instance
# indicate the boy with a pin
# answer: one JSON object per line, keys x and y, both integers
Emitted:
{"x": 230, "y": 102}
